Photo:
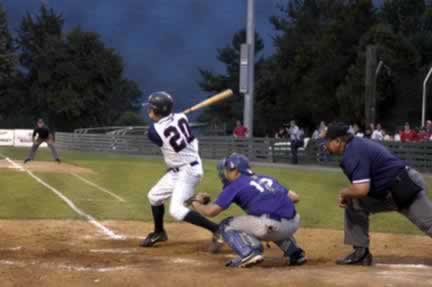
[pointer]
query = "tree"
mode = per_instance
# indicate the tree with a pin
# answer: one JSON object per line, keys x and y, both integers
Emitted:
{"x": 232, "y": 109}
{"x": 73, "y": 79}
{"x": 8, "y": 62}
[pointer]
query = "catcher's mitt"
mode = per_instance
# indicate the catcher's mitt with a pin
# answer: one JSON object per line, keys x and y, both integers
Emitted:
{"x": 201, "y": 197}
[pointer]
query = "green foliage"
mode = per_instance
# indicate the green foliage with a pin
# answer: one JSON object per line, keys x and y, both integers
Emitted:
{"x": 72, "y": 78}
{"x": 317, "y": 71}
{"x": 8, "y": 62}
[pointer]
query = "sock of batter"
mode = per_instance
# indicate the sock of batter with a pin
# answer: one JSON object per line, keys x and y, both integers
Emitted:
{"x": 158, "y": 215}
{"x": 195, "y": 218}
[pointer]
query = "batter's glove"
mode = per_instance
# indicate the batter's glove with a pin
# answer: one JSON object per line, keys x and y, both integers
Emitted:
{"x": 201, "y": 197}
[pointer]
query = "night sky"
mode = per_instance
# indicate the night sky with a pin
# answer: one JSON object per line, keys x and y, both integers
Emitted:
{"x": 162, "y": 42}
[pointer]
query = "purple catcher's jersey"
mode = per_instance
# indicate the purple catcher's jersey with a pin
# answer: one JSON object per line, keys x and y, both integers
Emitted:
{"x": 258, "y": 195}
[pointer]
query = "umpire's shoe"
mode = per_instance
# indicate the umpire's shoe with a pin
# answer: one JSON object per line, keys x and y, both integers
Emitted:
{"x": 360, "y": 256}
{"x": 153, "y": 238}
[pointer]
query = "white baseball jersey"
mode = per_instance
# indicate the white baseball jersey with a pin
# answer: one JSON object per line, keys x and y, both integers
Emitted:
{"x": 174, "y": 136}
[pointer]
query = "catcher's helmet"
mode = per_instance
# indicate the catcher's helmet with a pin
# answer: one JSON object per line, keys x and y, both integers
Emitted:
{"x": 161, "y": 103}
{"x": 234, "y": 161}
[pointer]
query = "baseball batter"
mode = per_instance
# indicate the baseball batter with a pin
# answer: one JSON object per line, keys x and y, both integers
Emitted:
{"x": 171, "y": 132}
{"x": 42, "y": 134}
{"x": 271, "y": 215}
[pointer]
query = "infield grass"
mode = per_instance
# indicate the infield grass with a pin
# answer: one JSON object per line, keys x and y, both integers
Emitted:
{"x": 130, "y": 177}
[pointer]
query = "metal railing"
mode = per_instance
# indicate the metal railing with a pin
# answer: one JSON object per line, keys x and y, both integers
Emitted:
{"x": 418, "y": 155}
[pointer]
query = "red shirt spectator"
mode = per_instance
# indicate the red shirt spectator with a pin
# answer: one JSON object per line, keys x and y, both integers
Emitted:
{"x": 408, "y": 135}
{"x": 240, "y": 131}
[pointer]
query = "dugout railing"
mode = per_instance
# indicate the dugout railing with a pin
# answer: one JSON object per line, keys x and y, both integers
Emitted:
{"x": 418, "y": 155}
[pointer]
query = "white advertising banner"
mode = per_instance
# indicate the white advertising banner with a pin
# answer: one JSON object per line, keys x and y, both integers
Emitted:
{"x": 24, "y": 138}
{"x": 6, "y": 137}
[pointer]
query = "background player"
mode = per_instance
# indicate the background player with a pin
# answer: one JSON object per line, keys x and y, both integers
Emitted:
{"x": 171, "y": 132}
{"x": 40, "y": 135}
{"x": 270, "y": 208}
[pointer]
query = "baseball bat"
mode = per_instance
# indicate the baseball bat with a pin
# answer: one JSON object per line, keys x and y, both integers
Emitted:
{"x": 210, "y": 101}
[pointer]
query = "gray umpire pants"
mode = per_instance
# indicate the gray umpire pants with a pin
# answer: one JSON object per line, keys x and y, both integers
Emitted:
{"x": 265, "y": 228}
{"x": 358, "y": 210}
{"x": 36, "y": 145}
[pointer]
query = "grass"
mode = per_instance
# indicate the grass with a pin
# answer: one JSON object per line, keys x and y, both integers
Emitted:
{"x": 131, "y": 177}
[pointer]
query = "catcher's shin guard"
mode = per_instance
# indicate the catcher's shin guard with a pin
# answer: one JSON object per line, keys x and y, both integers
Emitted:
{"x": 242, "y": 243}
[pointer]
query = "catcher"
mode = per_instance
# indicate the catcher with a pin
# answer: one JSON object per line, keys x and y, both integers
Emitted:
{"x": 271, "y": 215}
{"x": 42, "y": 134}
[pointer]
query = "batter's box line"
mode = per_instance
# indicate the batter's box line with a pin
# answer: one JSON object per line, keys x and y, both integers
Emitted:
{"x": 98, "y": 187}
{"x": 102, "y": 228}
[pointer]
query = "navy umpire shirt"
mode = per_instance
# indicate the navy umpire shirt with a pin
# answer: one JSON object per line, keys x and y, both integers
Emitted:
{"x": 43, "y": 132}
{"x": 367, "y": 161}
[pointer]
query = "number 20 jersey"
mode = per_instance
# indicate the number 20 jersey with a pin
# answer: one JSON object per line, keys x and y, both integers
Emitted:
{"x": 175, "y": 139}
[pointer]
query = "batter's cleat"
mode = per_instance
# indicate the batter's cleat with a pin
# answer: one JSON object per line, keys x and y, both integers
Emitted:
{"x": 360, "y": 256}
{"x": 153, "y": 238}
{"x": 253, "y": 259}
{"x": 298, "y": 258}
{"x": 216, "y": 243}
{"x": 58, "y": 160}
{"x": 27, "y": 160}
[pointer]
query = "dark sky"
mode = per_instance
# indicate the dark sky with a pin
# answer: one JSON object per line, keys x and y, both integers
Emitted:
{"x": 163, "y": 42}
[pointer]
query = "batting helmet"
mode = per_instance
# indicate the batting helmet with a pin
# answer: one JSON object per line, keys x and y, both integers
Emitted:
{"x": 161, "y": 103}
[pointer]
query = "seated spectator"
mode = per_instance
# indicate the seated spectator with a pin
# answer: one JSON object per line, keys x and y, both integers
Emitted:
{"x": 378, "y": 133}
{"x": 240, "y": 131}
{"x": 408, "y": 134}
{"x": 387, "y": 137}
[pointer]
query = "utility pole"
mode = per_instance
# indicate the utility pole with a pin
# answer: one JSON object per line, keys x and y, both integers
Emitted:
{"x": 370, "y": 85}
{"x": 248, "y": 113}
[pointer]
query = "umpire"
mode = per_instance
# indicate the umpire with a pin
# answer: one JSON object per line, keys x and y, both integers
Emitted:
{"x": 43, "y": 135}
{"x": 380, "y": 182}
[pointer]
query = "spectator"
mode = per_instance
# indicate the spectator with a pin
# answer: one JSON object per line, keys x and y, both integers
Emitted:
{"x": 281, "y": 133}
{"x": 429, "y": 129}
{"x": 356, "y": 131}
{"x": 322, "y": 129}
{"x": 407, "y": 134}
{"x": 387, "y": 137}
{"x": 378, "y": 133}
{"x": 296, "y": 140}
{"x": 422, "y": 135}
{"x": 240, "y": 131}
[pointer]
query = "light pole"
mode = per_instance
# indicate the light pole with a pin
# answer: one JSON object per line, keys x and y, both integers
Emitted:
{"x": 423, "y": 119}
{"x": 248, "y": 112}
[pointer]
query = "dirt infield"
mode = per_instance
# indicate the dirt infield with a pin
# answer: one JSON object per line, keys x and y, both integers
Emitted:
{"x": 47, "y": 166}
{"x": 72, "y": 253}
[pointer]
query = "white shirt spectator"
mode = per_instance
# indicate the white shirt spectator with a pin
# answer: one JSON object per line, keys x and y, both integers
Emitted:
{"x": 397, "y": 137}
{"x": 377, "y": 135}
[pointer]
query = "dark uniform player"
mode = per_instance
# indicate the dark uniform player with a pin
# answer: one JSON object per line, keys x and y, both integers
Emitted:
{"x": 380, "y": 182}
{"x": 42, "y": 134}
{"x": 271, "y": 215}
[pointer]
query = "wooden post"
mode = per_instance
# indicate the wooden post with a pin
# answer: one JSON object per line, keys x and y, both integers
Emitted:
{"x": 370, "y": 85}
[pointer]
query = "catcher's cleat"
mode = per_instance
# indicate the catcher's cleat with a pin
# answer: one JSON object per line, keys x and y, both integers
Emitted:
{"x": 153, "y": 238}
{"x": 298, "y": 258}
{"x": 253, "y": 259}
{"x": 216, "y": 243}
{"x": 360, "y": 256}
{"x": 27, "y": 160}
